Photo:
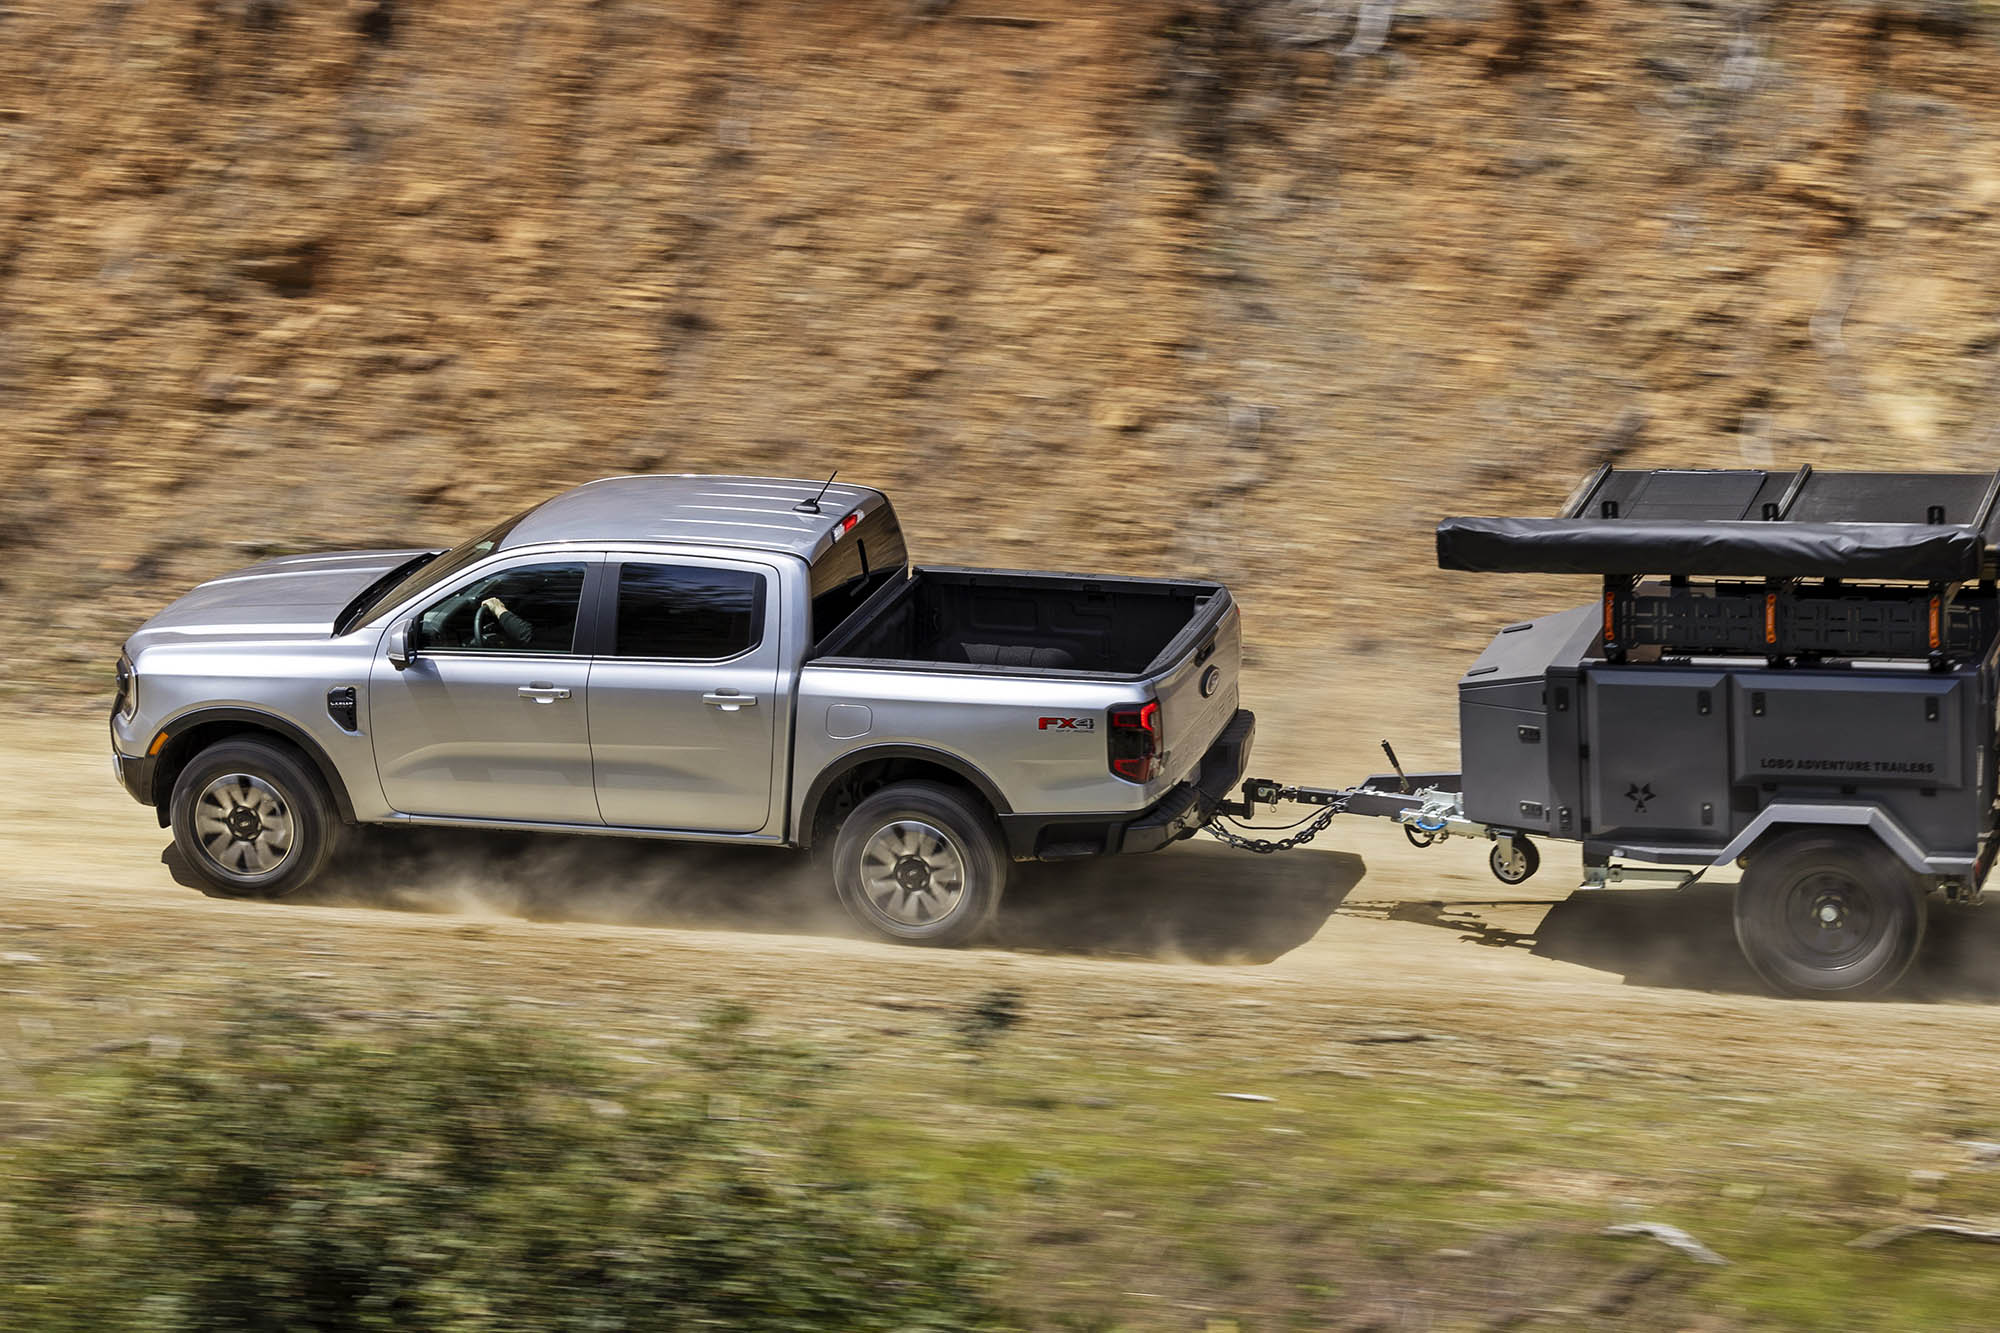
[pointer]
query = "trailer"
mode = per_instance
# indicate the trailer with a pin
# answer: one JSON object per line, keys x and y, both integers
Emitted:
{"x": 1789, "y": 672}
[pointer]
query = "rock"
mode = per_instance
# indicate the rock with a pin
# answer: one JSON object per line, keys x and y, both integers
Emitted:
{"x": 1671, "y": 1236}
{"x": 419, "y": 197}
{"x": 217, "y": 389}
{"x": 1118, "y": 410}
{"x": 1392, "y": 1038}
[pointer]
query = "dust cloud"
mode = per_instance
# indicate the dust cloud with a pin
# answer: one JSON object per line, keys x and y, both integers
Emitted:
{"x": 1196, "y": 903}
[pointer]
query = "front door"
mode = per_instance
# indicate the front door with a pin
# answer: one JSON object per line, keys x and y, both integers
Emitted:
{"x": 490, "y": 719}
{"x": 683, "y": 705}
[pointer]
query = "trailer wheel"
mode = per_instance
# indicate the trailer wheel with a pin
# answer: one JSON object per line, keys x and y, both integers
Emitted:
{"x": 1515, "y": 861}
{"x": 920, "y": 863}
{"x": 1829, "y": 914}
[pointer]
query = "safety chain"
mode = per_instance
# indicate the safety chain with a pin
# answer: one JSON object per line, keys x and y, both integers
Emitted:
{"x": 1265, "y": 846}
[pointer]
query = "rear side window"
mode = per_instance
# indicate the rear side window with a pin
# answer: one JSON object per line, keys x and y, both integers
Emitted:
{"x": 864, "y": 558}
{"x": 688, "y": 611}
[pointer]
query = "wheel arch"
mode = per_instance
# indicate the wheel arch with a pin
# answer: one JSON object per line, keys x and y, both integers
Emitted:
{"x": 1785, "y": 817}
{"x": 191, "y": 733}
{"x": 860, "y": 772}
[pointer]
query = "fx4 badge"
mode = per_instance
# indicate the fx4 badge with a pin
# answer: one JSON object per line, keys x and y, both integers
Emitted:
{"x": 1067, "y": 724}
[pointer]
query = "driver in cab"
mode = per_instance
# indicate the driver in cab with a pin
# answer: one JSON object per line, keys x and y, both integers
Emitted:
{"x": 489, "y": 623}
{"x": 518, "y": 631}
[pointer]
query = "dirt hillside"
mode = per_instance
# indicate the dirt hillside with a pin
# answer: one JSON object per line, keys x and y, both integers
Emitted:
{"x": 1261, "y": 288}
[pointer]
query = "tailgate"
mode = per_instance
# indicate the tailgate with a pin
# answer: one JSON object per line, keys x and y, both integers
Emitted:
{"x": 1197, "y": 689}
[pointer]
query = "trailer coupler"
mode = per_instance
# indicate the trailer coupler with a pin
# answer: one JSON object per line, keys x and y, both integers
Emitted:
{"x": 1428, "y": 806}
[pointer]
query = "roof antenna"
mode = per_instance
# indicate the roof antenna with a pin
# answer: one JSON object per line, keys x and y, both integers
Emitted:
{"x": 812, "y": 506}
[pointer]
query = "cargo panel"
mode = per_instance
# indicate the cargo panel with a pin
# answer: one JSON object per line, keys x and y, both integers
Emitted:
{"x": 1659, "y": 752}
{"x": 1795, "y": 728}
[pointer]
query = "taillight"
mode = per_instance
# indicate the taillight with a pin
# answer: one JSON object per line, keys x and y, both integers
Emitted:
{"x": 1135, "y": 741}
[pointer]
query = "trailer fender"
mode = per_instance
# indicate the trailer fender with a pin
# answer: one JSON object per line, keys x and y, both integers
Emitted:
{"x": 1876, "y": 820}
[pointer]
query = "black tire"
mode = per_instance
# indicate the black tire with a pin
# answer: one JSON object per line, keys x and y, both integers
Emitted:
{"x": 281, "y": 779}
{"x": 1829, "y": 914}
{"x": 1519, "y": 868}
{"x": 921, "y": 907}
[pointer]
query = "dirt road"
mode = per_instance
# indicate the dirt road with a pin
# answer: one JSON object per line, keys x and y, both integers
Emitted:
{"x": 1453, "y": 1094}
{"x": 1258, "y": 954}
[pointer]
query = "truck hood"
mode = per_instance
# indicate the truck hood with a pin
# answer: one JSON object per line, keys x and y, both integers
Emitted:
{"x": 292, "y": 597}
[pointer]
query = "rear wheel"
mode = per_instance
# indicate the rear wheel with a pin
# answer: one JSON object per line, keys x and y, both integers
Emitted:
{"x": 253, "y": 819}
{"x": 1829, "y": 914}
{"x": 920, "y": 863}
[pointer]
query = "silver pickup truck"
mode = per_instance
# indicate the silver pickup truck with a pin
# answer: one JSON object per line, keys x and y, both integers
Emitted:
{"x": 726, "y": 659}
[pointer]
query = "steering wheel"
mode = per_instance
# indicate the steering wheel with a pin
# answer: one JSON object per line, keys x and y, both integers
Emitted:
{"x": 480, "y": 629}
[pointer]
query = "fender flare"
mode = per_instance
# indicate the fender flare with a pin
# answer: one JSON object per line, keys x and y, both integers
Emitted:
{"x": 853, "y": 759}
{"x": 272, "y": 722}
{"x": 1871, "y": 817}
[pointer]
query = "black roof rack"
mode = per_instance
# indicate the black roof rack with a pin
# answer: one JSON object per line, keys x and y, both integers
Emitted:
{"x": 1957, "y": 499}
{"x": 1927, "y": 526}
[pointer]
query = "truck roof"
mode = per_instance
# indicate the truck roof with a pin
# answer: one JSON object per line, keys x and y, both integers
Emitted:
{"x": 760, "y": 513}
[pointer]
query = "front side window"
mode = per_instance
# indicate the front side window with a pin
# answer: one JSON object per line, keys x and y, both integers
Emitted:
{"x": 528, "y": 609}
{"x": 698, "y": 612}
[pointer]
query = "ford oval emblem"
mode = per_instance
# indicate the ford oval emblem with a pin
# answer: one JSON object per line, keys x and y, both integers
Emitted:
{"x": 1211, "y": 681}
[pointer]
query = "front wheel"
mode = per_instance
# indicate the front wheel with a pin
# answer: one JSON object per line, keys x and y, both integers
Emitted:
{"x": 920, "y": 863}
{"x": 253, "y": 819}
{"x": 1829, "y": 914}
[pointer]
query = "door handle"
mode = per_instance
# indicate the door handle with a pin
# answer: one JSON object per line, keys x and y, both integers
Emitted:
{"x": 729, "y": 701}
{"x": 543, "y": 694}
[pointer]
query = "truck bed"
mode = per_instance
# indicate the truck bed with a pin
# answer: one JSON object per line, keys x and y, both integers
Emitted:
{"x": 1013, "y": 621}
{"x": 1018, "y": 676}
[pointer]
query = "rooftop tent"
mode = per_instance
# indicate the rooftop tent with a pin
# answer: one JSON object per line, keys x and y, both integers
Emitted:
{"x": 1923, "y": 526}
{"x": 1733, "y": 548}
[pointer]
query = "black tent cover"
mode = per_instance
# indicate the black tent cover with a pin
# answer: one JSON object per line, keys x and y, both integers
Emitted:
{"x": 1942, "y": 553}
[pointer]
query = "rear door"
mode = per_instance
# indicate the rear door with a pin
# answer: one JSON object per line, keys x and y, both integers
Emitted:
{"x": 683, "y": 694}
{"x": 488, "y": 721}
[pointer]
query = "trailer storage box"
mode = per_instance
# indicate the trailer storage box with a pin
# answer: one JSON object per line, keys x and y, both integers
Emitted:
{"x": 1517, "y": 719}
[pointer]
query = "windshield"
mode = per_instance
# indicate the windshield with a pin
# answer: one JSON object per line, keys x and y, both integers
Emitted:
{"x": 433, "y": 571}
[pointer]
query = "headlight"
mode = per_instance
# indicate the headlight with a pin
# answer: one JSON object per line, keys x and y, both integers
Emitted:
{"x": 127, "y": 699}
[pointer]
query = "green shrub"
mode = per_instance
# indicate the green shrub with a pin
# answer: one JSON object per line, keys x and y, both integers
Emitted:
{"x": 462, "y": 1176}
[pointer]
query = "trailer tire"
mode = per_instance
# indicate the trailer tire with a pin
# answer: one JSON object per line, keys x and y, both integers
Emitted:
{"x": 1518, "y": 868}
{"x": 1829, "y": 914}
{"x": 920, "y": 863}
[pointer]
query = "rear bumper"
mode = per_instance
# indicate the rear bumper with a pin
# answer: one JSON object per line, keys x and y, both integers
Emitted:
{"x": 1179, "y": 814}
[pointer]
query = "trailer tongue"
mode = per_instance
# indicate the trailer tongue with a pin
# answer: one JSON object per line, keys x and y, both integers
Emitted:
{"x": 1795, "y": 672}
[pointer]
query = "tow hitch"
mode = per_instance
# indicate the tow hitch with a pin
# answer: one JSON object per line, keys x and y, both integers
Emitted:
{"x": 1430, "y": 807}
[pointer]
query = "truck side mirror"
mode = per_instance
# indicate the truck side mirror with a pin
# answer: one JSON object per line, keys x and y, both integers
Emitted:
{"x": 396, "y": 645}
